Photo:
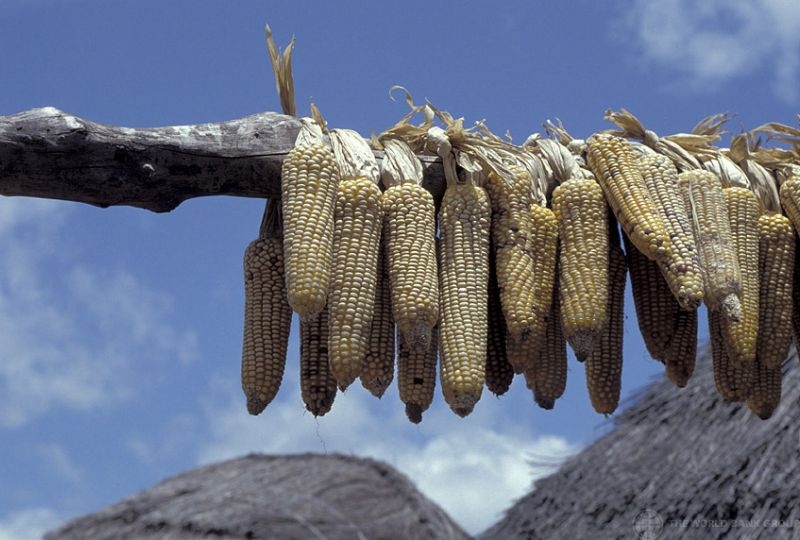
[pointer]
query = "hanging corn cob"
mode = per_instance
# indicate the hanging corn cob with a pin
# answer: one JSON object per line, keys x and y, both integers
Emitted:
{"x": 416, "y": 375}
{"x": 741, "y": 335}
{"x": 378, "y": 368}
{"x": 733, "y": 382}
{"x": 680, "y": 355}
{"x": 604, "y": 364}
{"x": 499, "y": 372}
{"x": 656, "y": 307}
{"x": 681, "y": 268}
{"x": 547, "y": 376}
{"x": 581, "y": 211}
{"x": 309, "y": 179}
{"x": 267, "y": 315}
{"x": 510, "y": 198}
{"x": 776, "y": 252}
{"x": 765, "y": 395}
{"x": 464, "y": 226}
{"x": 613, "y": 164}
{"x": 410, "y": 229}
{"x": 705, "y": 202}
{"x": 317, "y": 384}
{"x": 358, "y": 217}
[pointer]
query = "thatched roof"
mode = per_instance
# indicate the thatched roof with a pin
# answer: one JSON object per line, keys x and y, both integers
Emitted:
{"x": 327, "y": 497}
{"x": 678, "y": 464}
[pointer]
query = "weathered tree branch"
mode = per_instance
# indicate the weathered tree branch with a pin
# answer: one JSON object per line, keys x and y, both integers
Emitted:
{"x": 50, "y": 154}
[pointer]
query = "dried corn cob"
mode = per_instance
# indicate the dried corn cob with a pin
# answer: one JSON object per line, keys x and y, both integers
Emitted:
{"x": 790, "y": 200}
{"x": 613, "y": 163}
{"x": 776, "y": 251}
{"x": 543, "y": 248}
{"x": 679, "y": 357}
{"x": 741, "y": 336}
{"x": 358, "y": 217}
{"x": 410, "y": 225}
{"x": 547, "y": 377}
{"x": 317, "y": 384}
{"x": 499, "y": 372}
{"x": 416, "y": 376}
{"x": 681, "y": 268}
{"x": 796, "y": 298}
{"x": 464, "y": 276}
{"x": 581, "y": 211}
{"x": 377, "y": 370}
{"x": 765, "y": 395}
{"x": 511, "y": 230}
{"x": 656, "y": 307}
{"x": 705, "y": 202}
{"x": 267, "y": 315}
{"x": 604, "y": 364}
{"x": 309, "y": 177}
{"x": 733, "y": 383}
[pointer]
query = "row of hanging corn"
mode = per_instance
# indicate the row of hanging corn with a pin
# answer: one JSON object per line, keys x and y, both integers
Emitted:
{"x": 523, "y": 257}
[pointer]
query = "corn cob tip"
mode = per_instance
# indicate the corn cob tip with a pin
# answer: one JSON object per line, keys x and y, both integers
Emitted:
{"x": 377, "y": 388}
{"x": 582, "y": 343}
{"x": 463, "y": 412}
{"x": 414, "y": 413}
{"x": 732, "y": 308}
{"x": 255, "y": 406}
{"x": 763, "y": 411}
{"x": 545, "y": 403}
{"x": 678, "y": 375}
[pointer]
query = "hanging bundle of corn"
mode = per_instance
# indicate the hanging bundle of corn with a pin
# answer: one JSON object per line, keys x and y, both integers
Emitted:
{"x": 410, "y": 229}
{"x": 267, "y": 315}
{"x": 358, "y": 218}
{"x": 464, "y": 228}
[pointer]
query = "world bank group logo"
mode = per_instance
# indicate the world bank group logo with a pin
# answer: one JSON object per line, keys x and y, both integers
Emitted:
{"x": 648, "y": 524}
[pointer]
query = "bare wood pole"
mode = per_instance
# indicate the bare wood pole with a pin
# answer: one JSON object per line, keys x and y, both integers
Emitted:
{"x": 50, "y": 154}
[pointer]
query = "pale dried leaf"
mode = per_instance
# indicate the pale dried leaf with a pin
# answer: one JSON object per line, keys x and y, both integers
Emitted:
{"x": 354, "y": 156}
{"x": 399, "y": 164}
{"x": 282, "y": 69}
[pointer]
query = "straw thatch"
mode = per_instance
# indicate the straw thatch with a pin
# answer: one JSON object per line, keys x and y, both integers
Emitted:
{"x": 678, "y": 464}
{"x": 323, "y": 497}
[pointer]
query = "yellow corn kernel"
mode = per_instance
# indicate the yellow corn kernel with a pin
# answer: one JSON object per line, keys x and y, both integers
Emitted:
{"x": 582, "y": 214}
{"x": 613, "y": 163}
{"x": 464, "y": 276}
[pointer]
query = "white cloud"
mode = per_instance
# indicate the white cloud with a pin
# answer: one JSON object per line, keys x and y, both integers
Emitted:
{"x": 471, "y": 467}
{"x": 712, "y": 42}
{"x": 69, "y": 334}
{"x": 28, "y": 524}
{"x": 59, "y": 462}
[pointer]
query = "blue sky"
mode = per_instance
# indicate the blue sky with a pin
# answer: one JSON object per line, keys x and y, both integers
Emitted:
{"x": 120, "y": 330}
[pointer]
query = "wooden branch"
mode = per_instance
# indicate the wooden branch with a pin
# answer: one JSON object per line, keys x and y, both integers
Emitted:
{"x": 48, "y": 153}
